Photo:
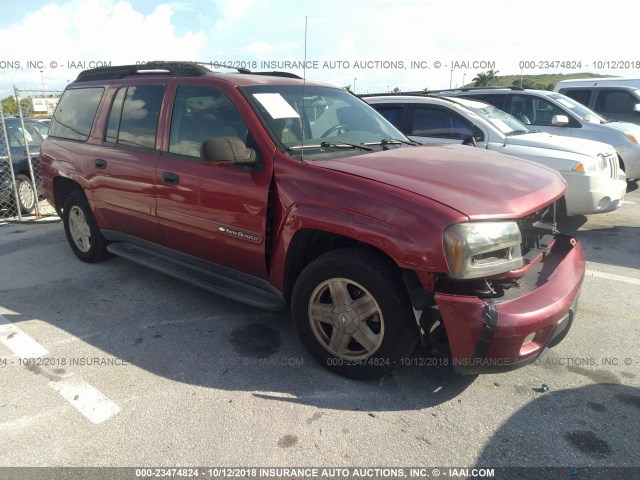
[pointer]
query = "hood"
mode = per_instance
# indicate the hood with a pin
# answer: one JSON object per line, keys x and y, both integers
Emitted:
{"x": 479, "y": 183}
{"x": 580, "y": 146}
{"x": 624, "y": 127}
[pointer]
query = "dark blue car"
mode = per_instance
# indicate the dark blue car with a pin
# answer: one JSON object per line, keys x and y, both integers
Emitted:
{"x": 17, "y": 139}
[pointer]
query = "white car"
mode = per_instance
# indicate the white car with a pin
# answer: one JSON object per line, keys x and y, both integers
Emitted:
{"x": 595, "y": 183}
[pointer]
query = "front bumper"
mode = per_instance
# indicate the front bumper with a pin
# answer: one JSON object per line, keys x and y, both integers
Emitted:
{"x": 488, "y": 336}
{"x": 587, "y": 194}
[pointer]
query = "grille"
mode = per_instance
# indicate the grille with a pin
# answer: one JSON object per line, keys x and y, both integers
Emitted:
{"x": 614, "y": 166}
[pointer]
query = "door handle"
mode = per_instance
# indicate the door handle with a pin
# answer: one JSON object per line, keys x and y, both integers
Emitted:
{"x": 100, "y": 163}
{"x": 170, "y": 178}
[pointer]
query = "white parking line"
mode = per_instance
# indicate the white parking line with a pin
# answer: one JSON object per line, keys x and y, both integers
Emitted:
{"x": 86, "y": 399}
{"x": 612, "y": 276}
{"x": 19, "y": 342}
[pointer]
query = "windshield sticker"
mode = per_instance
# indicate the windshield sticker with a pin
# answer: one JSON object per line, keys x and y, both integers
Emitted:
{"x": 276, "y": 105}
{"x": 564, "y": 102}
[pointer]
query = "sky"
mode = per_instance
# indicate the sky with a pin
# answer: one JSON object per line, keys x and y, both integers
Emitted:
{"x": 372, "y": 46}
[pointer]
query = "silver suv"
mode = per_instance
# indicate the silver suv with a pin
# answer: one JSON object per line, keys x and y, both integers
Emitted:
{"x": 558, "y": 114}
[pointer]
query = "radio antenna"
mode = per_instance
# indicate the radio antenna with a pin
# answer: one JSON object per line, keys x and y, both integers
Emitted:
{"x": 304, "y": 82}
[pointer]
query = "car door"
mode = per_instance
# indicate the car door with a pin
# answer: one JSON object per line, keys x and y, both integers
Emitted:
{"x": 124, "y": 167}
{"x": 212, "y": 212}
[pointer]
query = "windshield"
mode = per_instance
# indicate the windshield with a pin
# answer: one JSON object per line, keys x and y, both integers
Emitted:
{"x": 500, "y": 119}
{"x": 18, "y": 137}
{"x": 578, "y": 109}
{"x": 325, "y": 119}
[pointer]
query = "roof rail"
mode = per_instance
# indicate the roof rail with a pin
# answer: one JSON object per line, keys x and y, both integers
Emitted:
{"x": 275, "y": 74}
{"x": 173, "y": 68}
{"x": 392, "y": 94}
{"x": 470, "y": 89}
{"x": 121, "y": 71}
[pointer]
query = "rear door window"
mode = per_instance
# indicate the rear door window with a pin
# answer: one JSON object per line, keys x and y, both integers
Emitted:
{"x": 133, "y": 120}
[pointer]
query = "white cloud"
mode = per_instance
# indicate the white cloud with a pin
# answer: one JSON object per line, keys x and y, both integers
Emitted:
{"x": 504, "y": 32}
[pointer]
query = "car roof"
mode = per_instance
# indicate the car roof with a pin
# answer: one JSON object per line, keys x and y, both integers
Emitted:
{"x": 431, "y": 99}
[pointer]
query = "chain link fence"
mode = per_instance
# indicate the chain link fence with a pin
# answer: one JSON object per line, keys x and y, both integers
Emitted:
{"x": 21, "y": 137}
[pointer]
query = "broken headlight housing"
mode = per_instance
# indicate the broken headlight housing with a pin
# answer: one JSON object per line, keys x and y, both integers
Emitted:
{"x": 481, "y": 249}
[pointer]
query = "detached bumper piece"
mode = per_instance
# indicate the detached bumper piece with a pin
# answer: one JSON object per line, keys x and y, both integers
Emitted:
{"x": 536, "y": 312}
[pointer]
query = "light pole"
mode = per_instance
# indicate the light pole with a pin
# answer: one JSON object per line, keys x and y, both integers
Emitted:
{"x": 463, "y": 75}
{"x": 354, "y": 84}
{"x": 450, "y": 78}
{"x": 42, "y": 79}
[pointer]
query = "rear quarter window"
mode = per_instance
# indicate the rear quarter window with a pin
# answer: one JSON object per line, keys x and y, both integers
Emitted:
{"x": 75, "y": 113}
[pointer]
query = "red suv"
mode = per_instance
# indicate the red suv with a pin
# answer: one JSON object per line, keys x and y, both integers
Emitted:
{"x": 274, "y": 191}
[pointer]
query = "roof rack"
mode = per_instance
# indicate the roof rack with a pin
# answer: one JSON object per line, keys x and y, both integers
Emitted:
{"x": 173, "y": 68}
{"x": 394, "y": 94}
{"x": 276, "y": 74}
{"x": 121, "y": 71}
{"x": 470, "y": 89}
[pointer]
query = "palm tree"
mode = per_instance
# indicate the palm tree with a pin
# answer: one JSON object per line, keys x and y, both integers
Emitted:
{"x": 480, "y": 80}
{"x": 491, "y": 76}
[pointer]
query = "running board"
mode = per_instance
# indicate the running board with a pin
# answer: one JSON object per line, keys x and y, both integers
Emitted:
{"x": 199, "y": 277}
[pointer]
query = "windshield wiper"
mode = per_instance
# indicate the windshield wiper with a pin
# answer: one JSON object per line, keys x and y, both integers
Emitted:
{"x": 392, "y": 141}
{"x": 345, "y": 144}
{"x": 517, "y": 132}
{"x": 330, "y": 145}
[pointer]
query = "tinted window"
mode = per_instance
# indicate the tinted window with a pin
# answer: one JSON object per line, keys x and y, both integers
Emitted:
{"x": 615, "y": 101}
{"x": 74, "y": 115}
{"x": 495, "y": 99}
{"x": 581, "y": 96}
{"x": 393, "y": 114}
{"x": 200, "y": 113}
{"x": 435, "y": 122}
{"x": 139, "y": 118}
{"x": 114, "y": 116}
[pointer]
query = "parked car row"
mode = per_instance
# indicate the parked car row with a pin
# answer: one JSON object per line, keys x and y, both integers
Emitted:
{"x": 558, "y": 114}
{"x": 276, "y": 191}
{"x": 591, "y": 170}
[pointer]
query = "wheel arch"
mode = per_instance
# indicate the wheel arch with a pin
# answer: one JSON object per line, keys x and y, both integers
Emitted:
{"x": 309, "y": 243}
{"x": 62, "y": 187}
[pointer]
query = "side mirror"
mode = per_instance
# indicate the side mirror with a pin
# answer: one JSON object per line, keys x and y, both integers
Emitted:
{"x": 227, "y": 150}
{"x": 559, "y": 120}
{"x": 636, "y": 107}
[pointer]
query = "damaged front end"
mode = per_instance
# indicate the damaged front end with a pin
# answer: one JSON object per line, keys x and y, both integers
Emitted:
{"x": 503, "y": 321}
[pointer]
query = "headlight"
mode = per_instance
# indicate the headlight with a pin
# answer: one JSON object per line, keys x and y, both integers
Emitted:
{"x": 480, "y": 249}
{"x": 632, "y": 138}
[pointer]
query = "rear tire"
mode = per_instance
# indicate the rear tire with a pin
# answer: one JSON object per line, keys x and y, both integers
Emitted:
{"x": 353, "y": 314}
{"x": 81, "y": 229}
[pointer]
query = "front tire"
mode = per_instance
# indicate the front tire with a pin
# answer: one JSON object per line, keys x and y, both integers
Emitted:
{"x": 353, "y": 314}
{"x": 81, "y": 229}
{"x": 26, "y": 196}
